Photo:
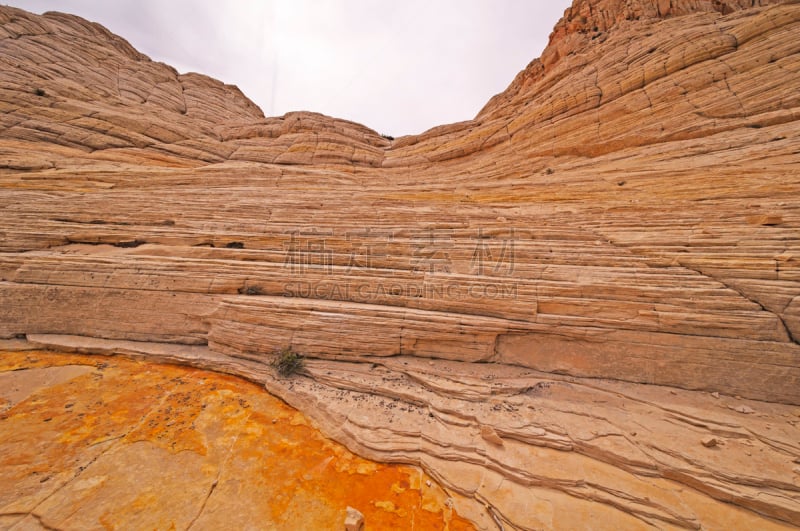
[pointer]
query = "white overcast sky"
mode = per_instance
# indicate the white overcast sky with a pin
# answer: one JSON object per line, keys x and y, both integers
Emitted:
{"x": 399, "y": 67}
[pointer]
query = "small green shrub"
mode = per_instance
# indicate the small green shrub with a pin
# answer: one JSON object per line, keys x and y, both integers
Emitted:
{"x": 40, "y": 92}
{"x": 287, "y": 362}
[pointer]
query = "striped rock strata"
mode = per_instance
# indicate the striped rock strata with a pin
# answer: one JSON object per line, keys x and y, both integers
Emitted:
{"x": 627, "y": 210}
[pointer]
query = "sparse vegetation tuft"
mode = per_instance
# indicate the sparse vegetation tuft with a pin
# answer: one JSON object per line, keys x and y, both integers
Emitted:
{"x": 388, "y": 137}
{"x": 252, "y": 289}
{"x": 40, "y": 92}
{"x": 287, "y": 362}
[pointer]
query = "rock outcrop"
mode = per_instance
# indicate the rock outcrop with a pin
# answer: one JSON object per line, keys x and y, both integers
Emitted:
{"x": 626, "y": 210}
{"x": 88, "y": 443}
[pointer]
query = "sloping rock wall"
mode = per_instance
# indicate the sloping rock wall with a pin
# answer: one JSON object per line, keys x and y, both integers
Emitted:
{"x": 627, "y": 209}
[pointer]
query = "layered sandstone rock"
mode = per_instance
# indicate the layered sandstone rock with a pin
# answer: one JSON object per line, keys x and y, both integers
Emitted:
{"x": 627, "y": 210}
{"x": 90, "y": 443}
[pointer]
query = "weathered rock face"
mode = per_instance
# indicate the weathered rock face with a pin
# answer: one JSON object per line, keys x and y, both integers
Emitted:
{"x": 628, "y": 209}
{"x": 89, "y": 443}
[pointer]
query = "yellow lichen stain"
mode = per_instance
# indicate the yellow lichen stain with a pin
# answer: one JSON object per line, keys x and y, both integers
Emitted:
{"x": 298, "y": 419}
{"x": 267, "y": 457}
{"x": 398, "y": 489}
{"x": 366, "y": 469}
{"x": 389, "y": 507}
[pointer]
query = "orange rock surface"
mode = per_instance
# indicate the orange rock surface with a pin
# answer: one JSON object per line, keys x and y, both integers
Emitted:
{"x": 539, "y": 306}
{"x": 90, "y": 443}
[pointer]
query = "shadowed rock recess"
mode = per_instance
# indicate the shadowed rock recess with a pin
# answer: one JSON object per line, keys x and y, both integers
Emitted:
{"x": 580, "y": 308}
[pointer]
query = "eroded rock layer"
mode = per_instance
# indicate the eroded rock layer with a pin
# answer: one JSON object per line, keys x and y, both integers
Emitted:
{"x": 92, "y": 443}
{"x": 629, "y": 209}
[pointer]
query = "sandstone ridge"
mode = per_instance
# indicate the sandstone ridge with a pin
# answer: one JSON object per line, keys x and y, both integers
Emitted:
{"x": 624, "y": 217}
